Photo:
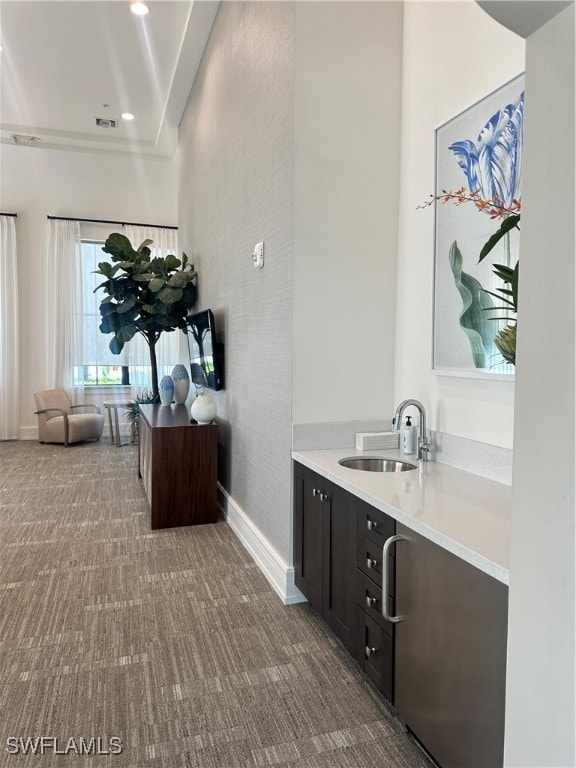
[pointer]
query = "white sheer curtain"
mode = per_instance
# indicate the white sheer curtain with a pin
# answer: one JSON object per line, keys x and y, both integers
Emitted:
{"x": 9, "y": 363}
{"x": 168, "y": 348}
{"x": 64, "y": 342}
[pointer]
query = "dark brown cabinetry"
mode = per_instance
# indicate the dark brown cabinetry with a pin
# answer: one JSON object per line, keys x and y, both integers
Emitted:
{"x": 325, "y": 550}
{"x": 177, "y": 464}
{"x": 338, "y": 562}
{"x": 441, "y": 658}
{"x": 450, "y": 654}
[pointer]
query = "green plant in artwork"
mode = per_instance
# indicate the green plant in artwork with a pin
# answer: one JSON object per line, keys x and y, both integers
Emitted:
{"x": 505, "y": 339}
{"x": 144, "y": 295}
{"x": 478, "y": 327}
{"x": 481, "y": 329}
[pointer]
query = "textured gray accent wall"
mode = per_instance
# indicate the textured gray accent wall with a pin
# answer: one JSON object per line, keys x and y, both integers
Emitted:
{"x": 236, "y": 187}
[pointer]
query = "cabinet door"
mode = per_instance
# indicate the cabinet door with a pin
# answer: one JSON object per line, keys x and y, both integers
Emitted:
{"x": 450, "y": 652}
{"x": 375, "y": 652}
{"x": 308, "y": 530}
{"x": 339, "y": 557}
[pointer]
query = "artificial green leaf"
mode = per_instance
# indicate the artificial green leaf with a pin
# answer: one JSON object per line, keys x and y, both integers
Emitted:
{"x": 479, "y": 329}
{"x": 149, "y": 325}
{"x": 144, "y": 245}
{"x": 126, "y": 305}
{"x": 116, "y": 346}
{"x": 172, "y": 262}
{"x": 157, "y": 266}
{"x": 156, "y": 284}
{"x": 105, "y": 268}
{"x": 190, "y": 294}
{"x": 178, "y": 280}
{"x": 125, "y": 333}
{"x": 107, "y": 308}
{"x": 119, "y": 247}
{"x": 106, "y": 287}
{"x": 507, "y": 224}
{"x": 109, "y": 323}
{"x": 170, "y": 295}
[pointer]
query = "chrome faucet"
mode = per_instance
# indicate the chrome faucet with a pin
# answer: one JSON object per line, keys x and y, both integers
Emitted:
{"x": 423, "y": 444}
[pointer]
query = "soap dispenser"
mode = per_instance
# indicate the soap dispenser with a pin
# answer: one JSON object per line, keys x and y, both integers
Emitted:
{"x": 408, "y": 437}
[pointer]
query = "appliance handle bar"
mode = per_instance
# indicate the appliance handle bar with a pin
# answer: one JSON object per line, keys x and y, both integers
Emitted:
{"x": 385, "y": 553}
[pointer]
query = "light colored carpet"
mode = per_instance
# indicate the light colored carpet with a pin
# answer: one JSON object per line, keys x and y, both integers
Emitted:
{"x": 171, "y": 641}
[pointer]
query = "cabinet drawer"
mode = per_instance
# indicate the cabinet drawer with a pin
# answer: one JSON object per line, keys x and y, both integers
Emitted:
{"x": 374, "y": 524}
{"x": 375, "y": 652}
{"x": 369, "y": 560}
{"x": 369, "y": 597}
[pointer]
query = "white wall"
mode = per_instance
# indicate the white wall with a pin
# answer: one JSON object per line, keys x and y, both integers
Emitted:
{"x": 453, "y": 55}
{"x": 541, "y": 677}
{"x": 39, "y": 182}
{"x": 347, "y": 135}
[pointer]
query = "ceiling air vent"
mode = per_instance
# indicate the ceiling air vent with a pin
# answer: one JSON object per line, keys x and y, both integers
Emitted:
{"x": 105, "y": 122}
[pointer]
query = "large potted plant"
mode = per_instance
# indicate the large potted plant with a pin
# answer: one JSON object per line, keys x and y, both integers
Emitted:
{"x": 143, "y": 295}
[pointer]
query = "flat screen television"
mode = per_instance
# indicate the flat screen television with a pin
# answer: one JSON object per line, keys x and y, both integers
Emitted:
{"x": 206, "y": 353}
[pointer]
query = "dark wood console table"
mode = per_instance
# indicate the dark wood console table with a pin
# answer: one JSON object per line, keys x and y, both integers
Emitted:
{"x": 177, "y": 463}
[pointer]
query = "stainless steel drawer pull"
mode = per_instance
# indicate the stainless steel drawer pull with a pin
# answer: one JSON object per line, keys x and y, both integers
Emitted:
{"x": 385, "y": 552}
{"x": 370, "y": 601}
{"x": 371, "y": 563}
{"x": 372, "y": 525}
{"x": 315, "y": 492}
{"x": 370, "y": 651}
{"x": 324, "y": 497}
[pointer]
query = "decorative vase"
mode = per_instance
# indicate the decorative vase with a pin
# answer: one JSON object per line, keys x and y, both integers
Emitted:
{"x": 203, "y": 409}
{"x": 166, "y": 390}
{"x": 181, "y": 383}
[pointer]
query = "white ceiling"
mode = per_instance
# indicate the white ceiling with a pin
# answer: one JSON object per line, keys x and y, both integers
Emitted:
{"x": 63, "y": 61}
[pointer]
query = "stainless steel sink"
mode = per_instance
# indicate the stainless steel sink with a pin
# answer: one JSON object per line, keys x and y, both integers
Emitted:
{"x": 376, "y": 464}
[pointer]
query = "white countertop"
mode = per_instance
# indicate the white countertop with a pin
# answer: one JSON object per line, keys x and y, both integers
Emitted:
{"x": 465, "y": 514}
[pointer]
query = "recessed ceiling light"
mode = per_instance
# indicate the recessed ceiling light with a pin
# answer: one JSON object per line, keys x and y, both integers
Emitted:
{"x": 140, "y": 9}
{"x": 127, "y": 116}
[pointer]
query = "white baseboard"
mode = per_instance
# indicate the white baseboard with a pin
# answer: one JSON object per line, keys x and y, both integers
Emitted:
{"x": 31, "y": 433}
{"x": 277, "y": 572}
{"x": 28, "y": 433}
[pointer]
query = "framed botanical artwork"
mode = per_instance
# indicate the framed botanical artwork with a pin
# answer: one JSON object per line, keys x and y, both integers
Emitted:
{"x": 478, "y": 209}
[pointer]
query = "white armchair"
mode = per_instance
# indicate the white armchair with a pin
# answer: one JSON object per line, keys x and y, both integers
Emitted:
{"x": 58, "y": 423}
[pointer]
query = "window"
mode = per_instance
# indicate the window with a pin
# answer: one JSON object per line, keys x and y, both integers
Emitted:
{"x": 96, "y": 365}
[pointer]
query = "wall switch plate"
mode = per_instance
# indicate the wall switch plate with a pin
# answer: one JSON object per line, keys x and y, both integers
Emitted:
{"x": 258, "y": 255}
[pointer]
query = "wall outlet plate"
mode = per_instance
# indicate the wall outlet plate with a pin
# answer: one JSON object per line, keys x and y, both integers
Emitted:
{"x": 258, "y": 255}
